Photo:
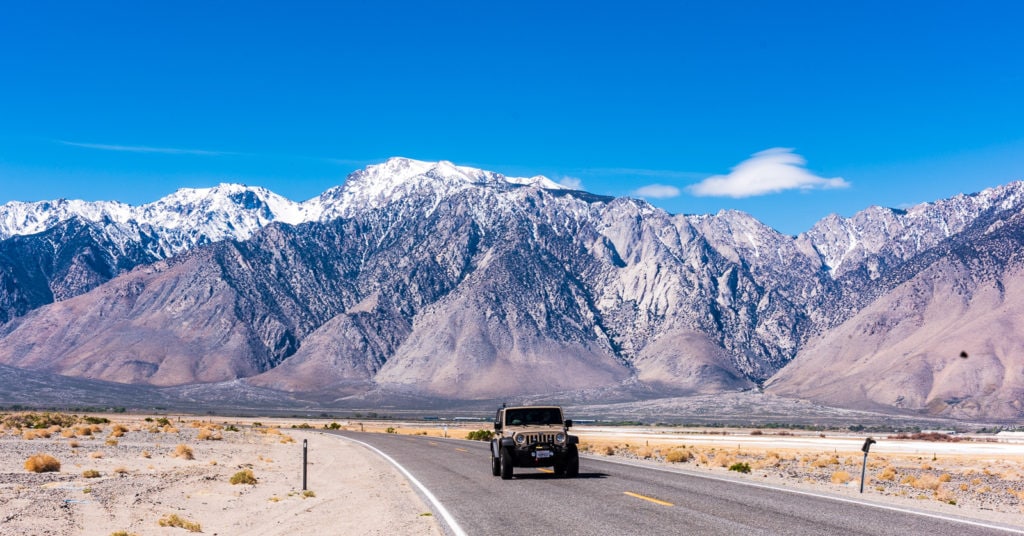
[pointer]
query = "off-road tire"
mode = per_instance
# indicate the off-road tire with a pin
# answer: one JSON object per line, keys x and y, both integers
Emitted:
{"x": 495, "y": 465}
{"x": 506, "y": 464}
{"x": 572, "y": 464}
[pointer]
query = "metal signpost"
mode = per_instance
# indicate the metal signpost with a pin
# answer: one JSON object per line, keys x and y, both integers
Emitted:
{"x": 305, "y": 458}
{"x": 864, "y": 469}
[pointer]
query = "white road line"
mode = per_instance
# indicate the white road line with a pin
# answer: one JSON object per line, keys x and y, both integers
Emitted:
{"x": 819, "y": 496}
{"x": 452, "y": 524}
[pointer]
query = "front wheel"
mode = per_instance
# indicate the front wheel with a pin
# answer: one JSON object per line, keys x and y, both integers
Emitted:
{"x": 506, "y": 464}
{"x": 495, "y": 465}
{"x": 572, "y": 465}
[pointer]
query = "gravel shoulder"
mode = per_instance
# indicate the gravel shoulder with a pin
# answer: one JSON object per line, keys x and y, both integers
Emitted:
{"x": 131, "y": 482}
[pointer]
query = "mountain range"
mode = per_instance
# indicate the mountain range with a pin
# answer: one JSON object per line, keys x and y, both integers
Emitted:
{"x": 423, "y": 279}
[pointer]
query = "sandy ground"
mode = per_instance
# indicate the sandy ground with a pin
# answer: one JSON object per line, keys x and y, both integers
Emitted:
{"x": 140, "y": 482}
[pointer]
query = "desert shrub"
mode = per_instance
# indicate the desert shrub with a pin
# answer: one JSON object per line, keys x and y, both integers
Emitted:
{"x": 67, "y": 433}
{"x": 163, "y": 421}
{"x": 723, "y": 460}
{"x": 118, "y": 430}
{"x": 42, "y": 463}
{"x": 96, "y": 454}
{"x": 303, "y": 426}
{"x": 209, "y": 435}
{"x": 83, "y": 431}
{"x": 39, "y": 420}
{"x": 927, "y": 481}
{"x": 756, "y": 432}
{"x": 233, "y": 428}
{"x": 927, "y": 436}
{"x": 945, "y": 477}
{"x": 841, "y": 477}
{"x": 740, "y": 467}
{"x": 123, "y": 533}
{"x": 168, "y": 429}
{"x": 174, "y": 520}
{"x": 678, "y": 455}
{"x": 825, "y": 461}
{"x": 308, "y": 494}
{"x": 244, "y": 476}
{"x": 609, "y": 450}
{"x": 111, "y": 442}
{"x": 97, "y": 420}
{"x": 391, "y": 430}
{"x": 74, "y": 444}
{"x": 480, "y": 435}
{"x": 121, "y": 470}
{"x": 183, "y": 451}
{"x": 91, "y": 473}
{"x": 146, "y": 454}
{"x": 887, "y": 474}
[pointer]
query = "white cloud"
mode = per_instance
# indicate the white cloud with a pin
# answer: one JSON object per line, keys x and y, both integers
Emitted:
{"x": 656, "y": 191}
{"x": 767, "y": 172}
{"x": 572, "y": 183}
{"x": 142, "y": 149}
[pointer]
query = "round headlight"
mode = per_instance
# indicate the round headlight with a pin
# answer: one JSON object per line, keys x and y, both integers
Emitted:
{"x": 559, "y": 438}
{"x": 520, "y": 438}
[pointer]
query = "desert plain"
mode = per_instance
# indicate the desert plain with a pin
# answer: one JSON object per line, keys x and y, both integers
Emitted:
{"x": 139, "y": 475}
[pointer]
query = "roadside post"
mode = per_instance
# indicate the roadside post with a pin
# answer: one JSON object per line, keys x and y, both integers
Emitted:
{"x": 305, "y": 459}
{"x": 864, "y": 468}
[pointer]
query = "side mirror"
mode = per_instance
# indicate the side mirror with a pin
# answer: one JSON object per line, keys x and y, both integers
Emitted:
{"x": 568, "y": 423}
{"x": 497, "y": 426}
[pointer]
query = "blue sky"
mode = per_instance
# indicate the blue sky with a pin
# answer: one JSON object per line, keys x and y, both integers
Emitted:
{"x": 786, "y": 110}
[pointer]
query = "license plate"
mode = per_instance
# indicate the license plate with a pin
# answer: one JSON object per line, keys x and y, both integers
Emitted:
{"x": 543, "y": 454}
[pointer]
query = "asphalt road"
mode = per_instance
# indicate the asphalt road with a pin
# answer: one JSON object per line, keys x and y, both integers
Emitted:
{"x": 616, "y": 499}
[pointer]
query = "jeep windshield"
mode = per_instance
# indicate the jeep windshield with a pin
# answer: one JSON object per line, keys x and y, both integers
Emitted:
{"x": 533, "y": 416}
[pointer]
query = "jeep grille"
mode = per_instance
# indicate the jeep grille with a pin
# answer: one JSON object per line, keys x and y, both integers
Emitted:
{"x": 539, "y": 437}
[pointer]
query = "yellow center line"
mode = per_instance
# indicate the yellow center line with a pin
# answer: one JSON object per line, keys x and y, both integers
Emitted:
{"x": 541, "y": 469}
{"x": 461, "y": 450}
{"x": 646, "y": 498}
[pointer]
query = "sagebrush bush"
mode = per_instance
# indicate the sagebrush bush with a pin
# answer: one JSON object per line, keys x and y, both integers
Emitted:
{"x": 91, "y": 473}
{"x": 678, "y": 455}
{"x": 42, "y": 463}
{"x": 480, "y": 435}
{"x": 887, "y": 474}
{"x": 243, "y": 477}
{"x": 174, "y": 520}
{"x": 740, "y": 467}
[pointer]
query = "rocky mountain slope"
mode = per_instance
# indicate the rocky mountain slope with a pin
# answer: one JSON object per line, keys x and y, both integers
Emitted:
{"x": 430, "y": 279}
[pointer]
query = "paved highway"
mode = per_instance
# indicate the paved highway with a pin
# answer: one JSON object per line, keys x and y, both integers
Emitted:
{"x": 613, "y": 498}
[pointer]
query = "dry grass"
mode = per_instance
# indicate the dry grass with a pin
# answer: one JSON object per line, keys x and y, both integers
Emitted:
{"x": 91, "y": 473}
{"x": 183, "y": 451}
{"x": 927, "y": 481}
{"x": 841, "y": 477}
{"x": 174, "y": 520}
{"x": 42, "y": 463}
{"x": 888, "y": 474}
{"x": 206, "y": 434}
{"x": 825, "y": 461}
{"x": 146, "y": 454}
{"x": 96, "y": 455}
